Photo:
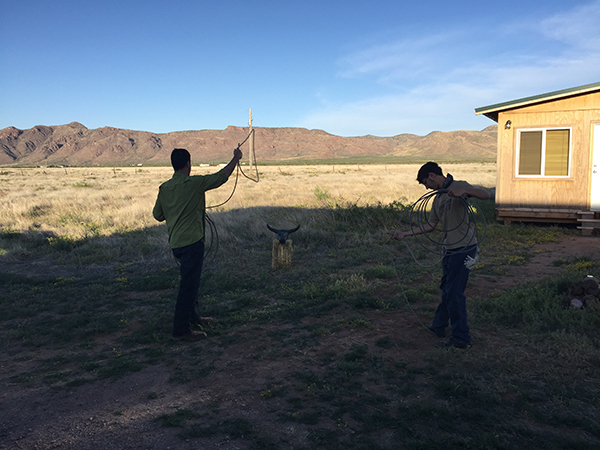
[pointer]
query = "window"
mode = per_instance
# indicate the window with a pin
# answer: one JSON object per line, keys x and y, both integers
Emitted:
{"x": 544, "y": 153}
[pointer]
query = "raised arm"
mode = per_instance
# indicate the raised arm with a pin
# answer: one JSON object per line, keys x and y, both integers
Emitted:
{"x": 237, "y": 155}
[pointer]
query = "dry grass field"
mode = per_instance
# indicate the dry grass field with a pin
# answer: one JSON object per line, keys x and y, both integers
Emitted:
{"x": 79, "y": 202}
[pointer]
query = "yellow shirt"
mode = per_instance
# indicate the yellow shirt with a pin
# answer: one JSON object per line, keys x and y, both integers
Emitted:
{"x": 453, "y": 217}
{"x": 182, "y": 204}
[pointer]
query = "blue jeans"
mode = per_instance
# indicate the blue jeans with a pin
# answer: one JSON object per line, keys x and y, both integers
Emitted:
{"x": 190, "y": 259}
{"x": 453, "y": 306}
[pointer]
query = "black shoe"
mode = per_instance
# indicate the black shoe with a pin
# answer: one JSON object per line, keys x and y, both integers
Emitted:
{"x": 453, "y": 343}
{"x": 439, "y": 332}
{"x": 192, "y": 336}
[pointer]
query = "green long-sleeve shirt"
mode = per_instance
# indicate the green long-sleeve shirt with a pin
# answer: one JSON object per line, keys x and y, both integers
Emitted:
{"x": 182, "y": 204}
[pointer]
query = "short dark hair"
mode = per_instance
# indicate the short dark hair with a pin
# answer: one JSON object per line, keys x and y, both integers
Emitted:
{"x": 426, "y": 169}
{"x": 179, "y": 158}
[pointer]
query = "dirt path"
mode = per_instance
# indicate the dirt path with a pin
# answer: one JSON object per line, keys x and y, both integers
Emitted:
{"x": 541, "y": 265}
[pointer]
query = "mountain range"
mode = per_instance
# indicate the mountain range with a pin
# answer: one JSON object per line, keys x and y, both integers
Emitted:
{"x": 75, "y": 145}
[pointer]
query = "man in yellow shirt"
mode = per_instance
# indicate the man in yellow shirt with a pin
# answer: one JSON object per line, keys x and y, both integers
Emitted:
{"x": 181, "y": 202}
{"x": 460, "y": 242}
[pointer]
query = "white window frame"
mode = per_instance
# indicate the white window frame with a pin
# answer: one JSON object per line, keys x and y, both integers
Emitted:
{"x": 543, "y": 161}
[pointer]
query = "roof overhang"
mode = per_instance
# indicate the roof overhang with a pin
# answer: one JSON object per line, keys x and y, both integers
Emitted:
{"x": 492, "y": 111}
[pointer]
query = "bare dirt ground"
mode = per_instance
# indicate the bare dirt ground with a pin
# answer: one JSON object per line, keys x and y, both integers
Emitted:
{"x": 121, "y": 414}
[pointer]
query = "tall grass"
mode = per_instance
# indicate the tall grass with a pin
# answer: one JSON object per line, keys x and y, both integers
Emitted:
{"x": 67, "y": 208}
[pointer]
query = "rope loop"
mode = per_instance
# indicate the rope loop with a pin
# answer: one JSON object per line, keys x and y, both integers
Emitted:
{"x": 435, "y": 241}
{"x": 213, "y": 242}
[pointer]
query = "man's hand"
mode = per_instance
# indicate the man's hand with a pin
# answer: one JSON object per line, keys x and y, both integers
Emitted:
{"x": 399, "y": 235}
{"x": 457, "y": 192}
{"x": 229, "y": 168}
{"x": 237, "y": 154}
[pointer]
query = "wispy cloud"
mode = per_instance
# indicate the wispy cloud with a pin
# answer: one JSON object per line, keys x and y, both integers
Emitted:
{"x": 577, "y": 28}
{"x": 434, "y": 82}
{"x": 406, "y": 59}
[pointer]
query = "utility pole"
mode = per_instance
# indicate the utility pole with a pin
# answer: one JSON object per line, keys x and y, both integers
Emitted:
{"x": 251, "y": 144}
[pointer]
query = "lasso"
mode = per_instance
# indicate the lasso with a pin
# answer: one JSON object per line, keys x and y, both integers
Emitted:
{"x": 212, "y": 228}
{"x": 418, "y": 218}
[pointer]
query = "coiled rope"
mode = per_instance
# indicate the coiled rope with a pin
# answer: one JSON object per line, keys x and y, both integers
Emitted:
{"x": 435, "y": 241}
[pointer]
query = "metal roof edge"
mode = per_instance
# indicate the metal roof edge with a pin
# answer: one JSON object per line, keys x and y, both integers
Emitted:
{"x": 538, "y": 98}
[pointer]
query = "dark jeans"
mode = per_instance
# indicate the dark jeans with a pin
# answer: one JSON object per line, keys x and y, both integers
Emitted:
{"x": 453, "y": 306}
{"x": 190, "y": 259}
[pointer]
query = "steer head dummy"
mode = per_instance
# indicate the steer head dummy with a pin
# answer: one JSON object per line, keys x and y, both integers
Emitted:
{"x": 282, "y": 235}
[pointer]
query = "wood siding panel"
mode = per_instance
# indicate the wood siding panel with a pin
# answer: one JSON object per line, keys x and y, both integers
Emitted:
{"x": 578, "y": 113}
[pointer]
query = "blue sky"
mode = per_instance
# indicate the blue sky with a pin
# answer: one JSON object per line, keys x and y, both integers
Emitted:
{"x": 349, "y": 67}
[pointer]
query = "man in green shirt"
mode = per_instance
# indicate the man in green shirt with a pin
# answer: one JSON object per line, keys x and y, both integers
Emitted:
{"x": 181, "y": 202}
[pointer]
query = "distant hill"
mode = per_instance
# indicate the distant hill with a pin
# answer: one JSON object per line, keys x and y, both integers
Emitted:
{"x": 76, "y": 145}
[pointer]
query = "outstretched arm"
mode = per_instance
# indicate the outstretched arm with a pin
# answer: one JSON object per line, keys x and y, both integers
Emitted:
{"x": 470, "y": 192}
{"x": 399, "y": 235}
{"x": 237, "y": 155}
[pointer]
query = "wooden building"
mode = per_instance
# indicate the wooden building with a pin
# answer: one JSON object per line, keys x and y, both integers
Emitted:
{"x": 548, "y": 158}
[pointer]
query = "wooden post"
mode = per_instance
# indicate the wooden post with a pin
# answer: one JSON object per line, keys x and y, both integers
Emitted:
{"x": 251, "y": 145}
{"x": 282, "y": 254}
